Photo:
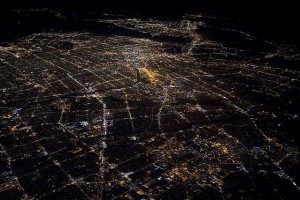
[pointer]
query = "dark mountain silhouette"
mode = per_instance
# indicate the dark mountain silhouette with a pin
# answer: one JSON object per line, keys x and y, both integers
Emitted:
{"x": 269, "y": 19}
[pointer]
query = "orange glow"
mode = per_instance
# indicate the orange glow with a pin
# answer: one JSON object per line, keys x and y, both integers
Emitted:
{"x": 150, "y": 74}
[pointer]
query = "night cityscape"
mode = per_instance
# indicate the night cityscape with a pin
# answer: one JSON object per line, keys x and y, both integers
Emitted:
{"x": 145, "y": 100}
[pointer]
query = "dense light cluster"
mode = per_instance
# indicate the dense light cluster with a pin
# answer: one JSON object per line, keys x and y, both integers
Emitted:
{"x": 168, "y": 110}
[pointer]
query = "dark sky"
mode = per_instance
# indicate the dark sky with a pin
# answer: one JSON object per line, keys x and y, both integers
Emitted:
{"x": 274, "y": 18}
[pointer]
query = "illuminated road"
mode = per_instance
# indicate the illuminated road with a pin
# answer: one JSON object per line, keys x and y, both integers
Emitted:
{"x": 158, "y": 109}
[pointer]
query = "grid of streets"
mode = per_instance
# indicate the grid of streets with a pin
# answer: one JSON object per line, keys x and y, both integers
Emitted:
{"x": 178, "y": 114}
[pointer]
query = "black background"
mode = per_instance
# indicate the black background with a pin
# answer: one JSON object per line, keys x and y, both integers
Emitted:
{"x": 270, "y": 19}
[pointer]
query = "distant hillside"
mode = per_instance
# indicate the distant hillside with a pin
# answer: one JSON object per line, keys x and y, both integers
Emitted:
{"x": 270, "y": 19}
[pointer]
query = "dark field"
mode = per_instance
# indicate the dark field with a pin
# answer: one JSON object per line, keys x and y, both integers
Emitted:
{"x": 120, "y": 106}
